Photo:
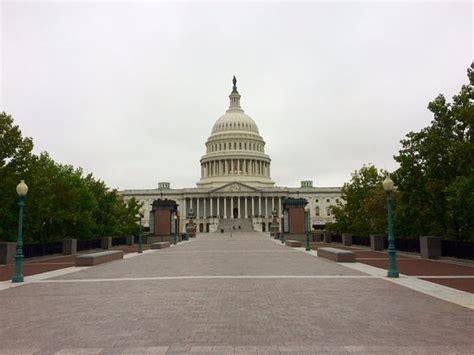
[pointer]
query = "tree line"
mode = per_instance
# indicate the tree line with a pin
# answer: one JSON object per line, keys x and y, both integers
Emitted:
{"x": 62, "y": 201}
{"x": 435, "y": 179}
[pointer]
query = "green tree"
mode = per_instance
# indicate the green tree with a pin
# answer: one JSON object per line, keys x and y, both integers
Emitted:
{"x": 15, "y": 155}
{"x": 437, "y": 169}
{"x": 61, "y": 201}
{"x": 363, "y": 210}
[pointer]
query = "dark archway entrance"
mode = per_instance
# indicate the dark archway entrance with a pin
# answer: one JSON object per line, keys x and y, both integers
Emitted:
{"x": 263, "y": 227}
{"x": 236, "y": 212}
{"x": 201, "y": 227}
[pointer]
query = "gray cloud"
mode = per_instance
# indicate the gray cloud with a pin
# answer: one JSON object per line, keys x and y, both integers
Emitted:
{"x": 130, "y": 91}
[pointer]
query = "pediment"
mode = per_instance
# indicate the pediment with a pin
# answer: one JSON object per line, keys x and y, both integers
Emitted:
{"x": 235, "y": 187}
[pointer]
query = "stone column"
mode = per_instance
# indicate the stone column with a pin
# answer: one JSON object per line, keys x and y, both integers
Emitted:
{"x": 232, "y": 166}
{"x": 69, "y": 246}
{"x": 205, "y": 212}
{"x": 253, "y": 206}
{"x": 225, "y": 207}
{"x": 225, "y": 167}
{"x": 106, "y": 242}
{"x": 238, "y": 166}
{"x": 246, "y": 209}
{"x": 430, "y": 247}
{"x": 7, "y": 252}
{"x": 232, "y": 207}
{"x": 259, "y": 205}
{"x": 190, "y": 202}
{"x": 184, "y": 206}
{"x": 347, "y": 239}
{"x": 238, "y": 207}
{"x": 273, "y": 203}
{"x": 377, "y": 241}
{"x": 197, "y": 207}
{"x": 218, "y": 207}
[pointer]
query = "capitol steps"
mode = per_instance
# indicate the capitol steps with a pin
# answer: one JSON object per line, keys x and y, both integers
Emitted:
{"x": 235, "y": 225}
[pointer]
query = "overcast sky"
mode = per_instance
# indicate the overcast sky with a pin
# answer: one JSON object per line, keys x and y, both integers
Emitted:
{"x": 130, "y": 91}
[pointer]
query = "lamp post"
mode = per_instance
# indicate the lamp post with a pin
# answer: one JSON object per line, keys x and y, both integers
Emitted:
{"x": 21, "y": 190}
{"x": 175, "y": 218}
{"x": 392, "y": 253}
{"x": 282, "y": 235}
{"x": 306, "y": 228}
{"x": 141, "y": 212}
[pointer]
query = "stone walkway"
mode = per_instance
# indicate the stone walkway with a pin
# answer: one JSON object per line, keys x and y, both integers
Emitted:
{"x": 216, "y": 294}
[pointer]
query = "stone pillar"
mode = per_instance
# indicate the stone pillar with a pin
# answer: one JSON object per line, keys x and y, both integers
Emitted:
{"x": 327, "y": 237}
{"x": 246, "y": 209}
{"x": 218, "y": 213}
{"x": 211, "y": 213}
{"x": 232, "y": 207}
{"x": 238, "y": 207}
{"x": 205, "y": 205}
{"x": 7, "y": 253}
{"x": 253, "y": 206}
{"x": 69, "y": 246}
{"x": 377, "y": 241}
{"x": 197, "y": 208}
{"x": 225, "y": 207}
{"x": 190, "y": 202}
{"x": 130, "y": 240}
{"x": 347, "y": 239}
{"x": 259, "y": 205}
{"x": 318, "y": 236}
{"x": 106, "y": 242}
{"x": 430, "y": 247}
{"x": 273, "y": 203}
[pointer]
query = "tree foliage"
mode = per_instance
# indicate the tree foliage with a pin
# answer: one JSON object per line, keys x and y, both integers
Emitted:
{"x": 363, "y": 211}
{"x": 436, "y": 174}
{"x": 435, "y": 180}
{"x": 61, "y": 200}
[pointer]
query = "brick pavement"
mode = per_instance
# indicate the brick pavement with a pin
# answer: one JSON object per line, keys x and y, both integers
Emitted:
{"x": 413, "y": 265}
{"x": 49, "y": 263}
{"x": 333, "y": 310}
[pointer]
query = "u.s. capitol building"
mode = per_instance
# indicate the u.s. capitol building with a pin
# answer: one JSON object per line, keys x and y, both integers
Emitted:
{"x": 236, "y": 189}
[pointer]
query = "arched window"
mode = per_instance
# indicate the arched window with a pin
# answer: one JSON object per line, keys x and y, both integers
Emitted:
{"x": 317, "y": 210}
{"x": 240, "y": 146}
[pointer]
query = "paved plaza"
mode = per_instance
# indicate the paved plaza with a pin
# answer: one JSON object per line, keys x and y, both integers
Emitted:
{"x": 245, "y": 294}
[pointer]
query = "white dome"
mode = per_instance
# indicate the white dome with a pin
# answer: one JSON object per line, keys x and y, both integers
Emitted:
{"x": 235, "y": 151}
{"x": 235, "y": 120}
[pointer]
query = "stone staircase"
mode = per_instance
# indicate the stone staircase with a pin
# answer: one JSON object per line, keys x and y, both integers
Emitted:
{"x": 235, "y": 225}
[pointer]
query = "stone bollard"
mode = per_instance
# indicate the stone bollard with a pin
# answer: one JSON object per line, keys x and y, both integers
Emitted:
{"x": 327, "y": 237}
{"x": 377, "y": 241}
{"x": 347, "y": 239}
{"x": 130, "y": 239}
{"x": 106, "y": 243}
{"x": 69, "y": 246}
{"x": 317, "y": 236}
{"x": 7, "y": 253}
{"x": 430, "y": 247}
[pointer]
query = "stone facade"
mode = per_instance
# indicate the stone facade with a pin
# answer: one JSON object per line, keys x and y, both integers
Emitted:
{"x": 236, "y": 182}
